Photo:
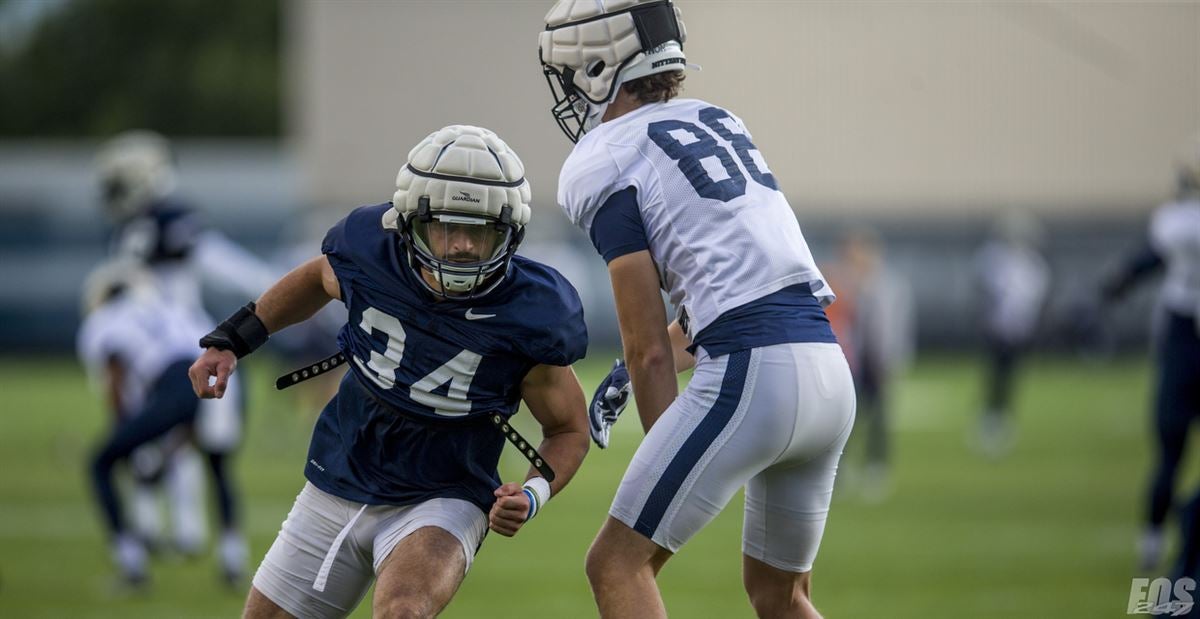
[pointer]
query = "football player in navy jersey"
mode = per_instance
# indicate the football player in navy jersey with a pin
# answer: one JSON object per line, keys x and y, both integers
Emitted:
{"x": 675, "y": 196}
{"x": 1173, "y": 247}
{"x": 448, "y": 330}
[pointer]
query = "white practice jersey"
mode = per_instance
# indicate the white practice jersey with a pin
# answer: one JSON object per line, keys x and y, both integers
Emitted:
{"x": 146, "y": 333}
{"x": 1015, "y": 281}
{"x": 718, "y": 228}
{"x": 1175, "y": 236}
{"x": 182, "y": 255}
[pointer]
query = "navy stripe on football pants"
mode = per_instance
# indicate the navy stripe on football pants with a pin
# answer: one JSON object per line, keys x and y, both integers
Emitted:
{"x": 707, "y": 431}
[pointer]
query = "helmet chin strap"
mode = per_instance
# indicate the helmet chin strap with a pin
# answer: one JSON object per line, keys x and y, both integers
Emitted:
{"x": 596, "y": 112}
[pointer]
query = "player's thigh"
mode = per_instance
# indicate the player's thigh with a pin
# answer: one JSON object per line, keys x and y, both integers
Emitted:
{"x": 788, "y": 502}
{"x": 311, "y": 570}
{"x": 731, "y": 422}
{"x": 1178, "y": 390}
{"x": 786, "y": 511}
{"x": 163, "y": 412}
{"x": 420, "y": 575}
{"x": 259, "y": 606}
{"x": 423, "y": 552}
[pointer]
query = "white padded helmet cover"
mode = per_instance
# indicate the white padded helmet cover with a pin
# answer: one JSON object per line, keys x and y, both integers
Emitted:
{"x": 467, "y": 153}
{"x": 142, "y": 162}
{"x": 611, "y": 40}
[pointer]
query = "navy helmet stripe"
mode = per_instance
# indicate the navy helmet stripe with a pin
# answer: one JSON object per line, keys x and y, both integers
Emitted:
{"x": 465, "y": 179}
{"x": 707, "y": 431}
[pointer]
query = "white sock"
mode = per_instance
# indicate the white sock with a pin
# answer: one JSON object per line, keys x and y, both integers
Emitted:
{"x": 129, "y": 555}
{"x": 233, "y": 552}
{"x": 147, "y": 520}
{"x": 185, "y": 481}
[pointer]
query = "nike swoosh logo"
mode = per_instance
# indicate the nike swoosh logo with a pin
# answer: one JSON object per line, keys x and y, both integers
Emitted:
{"x": 471, "y": 315}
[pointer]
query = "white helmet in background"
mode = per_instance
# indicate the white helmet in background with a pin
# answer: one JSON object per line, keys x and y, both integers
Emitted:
{"x": 461, "y": 205}
{"x": 1187, "y": 169}
{"x": 135, "y": 169}
{"x": 591, "y": 47}
{"x": 112, "y": 278}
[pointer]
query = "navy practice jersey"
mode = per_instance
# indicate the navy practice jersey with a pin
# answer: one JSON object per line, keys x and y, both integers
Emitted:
{"x": 165, "y": 232}
{"x": 411, "y": 421}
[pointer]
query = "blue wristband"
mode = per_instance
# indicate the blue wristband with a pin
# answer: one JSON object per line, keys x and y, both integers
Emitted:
{"x": 533, "y": 504}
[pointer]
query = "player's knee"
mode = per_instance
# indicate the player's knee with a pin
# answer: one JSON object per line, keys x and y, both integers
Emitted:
{"x": 783, "y": 607}
{"x": 405, "y": 606}
{"x": 779, "y": 597}
{"x": 608, "y": 565}
{"x": 605, "y": 566}
{"x": 101, "y": 463}
{"x": 596, "y": 566}
{"x": 778, "y": 602}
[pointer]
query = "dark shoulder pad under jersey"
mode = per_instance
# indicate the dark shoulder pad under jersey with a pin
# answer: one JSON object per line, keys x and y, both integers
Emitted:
{"x": 360, "y": 248}
{"x": 167, "y": 231}
{"x": 553, "y": 330}
{"x": 537, "y": 311}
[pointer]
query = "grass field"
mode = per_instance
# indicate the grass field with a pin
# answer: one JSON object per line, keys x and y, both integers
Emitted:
{"x": 1046, "y": 532}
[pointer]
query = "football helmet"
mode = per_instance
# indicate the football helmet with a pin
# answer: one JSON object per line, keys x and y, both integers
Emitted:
{"x": 135, "y": 169}
{"x": 591, "y": 47}
{"x": 461, "y": 205}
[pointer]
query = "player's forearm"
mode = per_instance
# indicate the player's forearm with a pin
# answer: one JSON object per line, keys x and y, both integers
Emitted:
{"x": 652, "y": 373}
{"x": 555, "y": 399}
{"x": 564, "y": 452}
{"x": 679, "y": 344}
{"x": 1135, "y": 268}
{"x": 114, "y": 379}
{"x": 115, "y": 405}
{"x": 295, "y": 297}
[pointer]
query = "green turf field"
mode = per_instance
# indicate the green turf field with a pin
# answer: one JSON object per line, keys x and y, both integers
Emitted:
{"x": 1048, "y": 531}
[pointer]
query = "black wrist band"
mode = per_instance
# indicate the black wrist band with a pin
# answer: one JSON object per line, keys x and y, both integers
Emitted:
{"x": 242, "y": 333}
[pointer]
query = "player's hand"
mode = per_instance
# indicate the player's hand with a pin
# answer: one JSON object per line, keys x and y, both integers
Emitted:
{"x": 213, "y": 362}
{"x": 510, "y": 509}
{"x": 609, "y": 402}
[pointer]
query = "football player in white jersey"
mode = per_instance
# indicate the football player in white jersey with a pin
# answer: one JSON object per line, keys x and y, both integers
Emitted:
{"x": 674, "y": 195}
{"x": 137, "y": 176}
{"x": 136, "y": 345}
{"x": 136, "y": 171}
{"x": 1012, "y": 283}
{"x": 1174, "y": 244}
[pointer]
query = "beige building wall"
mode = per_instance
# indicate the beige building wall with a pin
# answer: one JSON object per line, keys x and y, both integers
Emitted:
{"x": 861, "y": 107}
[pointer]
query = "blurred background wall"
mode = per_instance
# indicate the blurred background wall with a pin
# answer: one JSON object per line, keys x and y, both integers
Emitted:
{"x": 924, "y": 121}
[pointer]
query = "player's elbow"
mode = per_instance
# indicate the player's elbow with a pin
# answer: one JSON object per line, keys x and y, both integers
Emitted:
{"x": 651, "y": 358}
{"x": 576, "y": 434}
{"x": 582, "y": 443}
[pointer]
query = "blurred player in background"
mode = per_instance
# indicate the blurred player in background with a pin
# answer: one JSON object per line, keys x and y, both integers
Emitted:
{"x": 136, "y": 171}
{"x": 674, "y": 194}
{"x": 138, "y": 178}
{"x": 137, "y": 345}
{"x": 1173, "y": 245}
{"x": 449, "y": 331}
{"x": 873, "y": 320}
{"x": 1012, "y": 283}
